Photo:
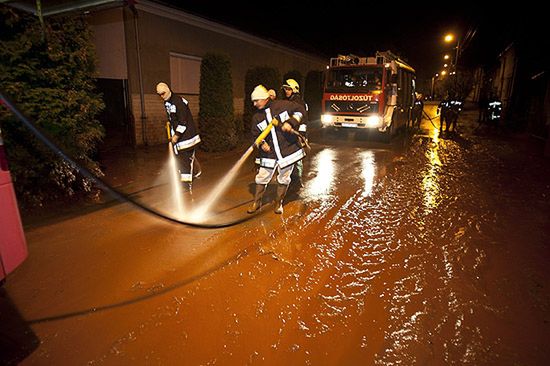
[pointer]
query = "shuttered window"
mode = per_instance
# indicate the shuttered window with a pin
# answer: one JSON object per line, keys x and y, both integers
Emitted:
{"x": 185, "y": 73}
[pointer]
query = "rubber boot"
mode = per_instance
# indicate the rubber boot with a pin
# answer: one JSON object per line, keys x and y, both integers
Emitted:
{"x": 258, "y": 194}
{"x": 281, "y": 192}
{"x": 300, "y": 171}
{"x": 197, "y": 169}
{"x": 186, "y": 187}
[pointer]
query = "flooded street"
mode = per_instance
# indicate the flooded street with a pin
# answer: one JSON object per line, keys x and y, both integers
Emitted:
{"x": 429, "y": 250}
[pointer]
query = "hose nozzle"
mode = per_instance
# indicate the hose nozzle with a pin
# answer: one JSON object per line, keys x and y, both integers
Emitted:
{"x": 263, "y": 135}
{"x": 168, "y": 131}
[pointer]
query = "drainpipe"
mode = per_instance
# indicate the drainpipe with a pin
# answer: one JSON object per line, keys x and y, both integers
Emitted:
{"x": 140, "y": 78}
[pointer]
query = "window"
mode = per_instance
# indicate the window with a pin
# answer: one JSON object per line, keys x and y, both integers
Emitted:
{"x": 185, "y": 73}
{"x": 354, "y": 80}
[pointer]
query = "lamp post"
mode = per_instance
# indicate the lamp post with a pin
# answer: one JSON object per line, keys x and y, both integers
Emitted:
{"x": 433, "y": 85}
{"x": 449, "y": 38}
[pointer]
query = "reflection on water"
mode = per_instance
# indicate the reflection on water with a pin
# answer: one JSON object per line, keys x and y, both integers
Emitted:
{"x": 324, "y": 164}
{"x": 368, "y": 169}
{"x": 430, "y": 181}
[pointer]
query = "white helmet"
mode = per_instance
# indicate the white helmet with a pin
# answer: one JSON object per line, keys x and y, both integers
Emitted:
{"x": 259, "y": 92}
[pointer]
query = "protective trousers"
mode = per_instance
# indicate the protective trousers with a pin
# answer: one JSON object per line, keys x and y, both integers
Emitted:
{"x": 186, "y": 159}
{"x": 263, "y": 178}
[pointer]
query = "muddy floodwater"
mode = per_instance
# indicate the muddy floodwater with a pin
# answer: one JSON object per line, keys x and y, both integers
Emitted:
{"x": 431, "y": 250}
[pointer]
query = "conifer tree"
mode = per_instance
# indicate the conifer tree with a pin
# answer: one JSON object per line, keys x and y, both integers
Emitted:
{"x": 216, "y": 112}
{"x": 47, "y": 70}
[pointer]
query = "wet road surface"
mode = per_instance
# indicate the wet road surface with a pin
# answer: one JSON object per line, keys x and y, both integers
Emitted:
{"x": 429, "y": 250}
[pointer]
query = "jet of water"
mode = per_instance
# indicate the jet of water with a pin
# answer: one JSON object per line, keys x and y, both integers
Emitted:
{"x": 175, "y": 184}
{"x": 202, "y": 212}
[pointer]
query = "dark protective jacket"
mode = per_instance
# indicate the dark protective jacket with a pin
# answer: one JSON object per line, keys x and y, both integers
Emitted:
{"x": 443, "y": 107}
{"x": 297, "y": 98}
{"x": 417, "y": 109}
{"x": 418, "y": 105}
{"x": 285, "y": 147}
{"x": 181, "y": 122}
{"x": 494, "y": 109}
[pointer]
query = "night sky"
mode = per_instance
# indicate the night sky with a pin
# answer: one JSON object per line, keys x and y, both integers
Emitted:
{"x": 413, "y": 32}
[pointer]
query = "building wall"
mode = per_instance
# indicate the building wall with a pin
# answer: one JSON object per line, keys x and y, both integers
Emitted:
{"x": 162, "y": 30}
{"x": 504, "y": 80}
{"x": 108, "y": 33}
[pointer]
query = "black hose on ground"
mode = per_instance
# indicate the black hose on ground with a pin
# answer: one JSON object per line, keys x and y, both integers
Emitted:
{"x": 430, "y": 119}
{"x": 98, "y": 181}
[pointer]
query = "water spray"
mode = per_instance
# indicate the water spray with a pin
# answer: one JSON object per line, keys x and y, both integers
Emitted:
{"x": 177, "y": 193}
{"x": 200, "y": 213}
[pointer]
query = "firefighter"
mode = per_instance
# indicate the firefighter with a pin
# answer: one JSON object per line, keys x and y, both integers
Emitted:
{"x": 483, "y": 103}
{"x": 418, "y": 108}
{"x": 494, "y": 110}
{"x": 184, "y": 132}
{"x": 280, "y": 150}
{"x": 442, "y": 110}
{"x": 292, "y": 93}
{"x": 455, "y": 107}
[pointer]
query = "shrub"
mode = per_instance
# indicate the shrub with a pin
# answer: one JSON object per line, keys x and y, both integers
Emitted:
{"x": 47, "y": 71}
{"x": 216, "y": 114}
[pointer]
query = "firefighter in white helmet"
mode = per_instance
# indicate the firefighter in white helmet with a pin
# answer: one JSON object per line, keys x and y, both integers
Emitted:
{"x": 292, "y": 93}
{"x": 184, "y": 132}
{"x": 280, "y": 150}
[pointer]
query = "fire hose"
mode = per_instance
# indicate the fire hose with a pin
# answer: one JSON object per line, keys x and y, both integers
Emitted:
{"x": 430, "y": 119}
{"x": 275, "y": 122}
{"x": 98, "y": 181}
{"x": 169, "y": 132}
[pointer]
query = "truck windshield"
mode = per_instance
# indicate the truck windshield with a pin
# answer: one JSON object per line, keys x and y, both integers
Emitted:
{"x": 354, "y": 80}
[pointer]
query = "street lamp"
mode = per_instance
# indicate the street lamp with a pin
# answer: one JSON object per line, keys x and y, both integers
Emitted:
{"x": 449, "y": 38}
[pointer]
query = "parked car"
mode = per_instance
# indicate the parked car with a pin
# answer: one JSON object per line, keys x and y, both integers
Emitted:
{"x": 13, "y": 246}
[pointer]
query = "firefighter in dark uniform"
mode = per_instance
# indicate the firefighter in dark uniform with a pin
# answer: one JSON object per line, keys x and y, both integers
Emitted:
{"x": 494, "y": 110}
{"x": 442, "y": 110}
{"x": 418, "y": 108}
{"x": 455, "y": 107}
{"x": 184, "y": 133}
{"x": 280, "y": 150}
{"x": 483, "y": 103}
{"x": 292, "y": 93}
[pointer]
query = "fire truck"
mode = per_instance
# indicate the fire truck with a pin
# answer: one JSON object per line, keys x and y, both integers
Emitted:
{"x": 368, "y": 93}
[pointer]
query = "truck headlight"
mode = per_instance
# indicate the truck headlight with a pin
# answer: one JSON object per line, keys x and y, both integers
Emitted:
{"x": 373, "y": 121}
{"x": 326, "y": 119}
